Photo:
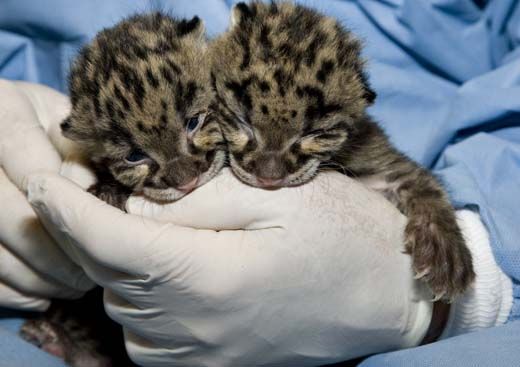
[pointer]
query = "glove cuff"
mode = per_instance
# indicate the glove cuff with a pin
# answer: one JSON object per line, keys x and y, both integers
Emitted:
{"x": 488, "y": 302}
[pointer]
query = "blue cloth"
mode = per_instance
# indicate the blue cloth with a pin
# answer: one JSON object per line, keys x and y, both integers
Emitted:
{"x": 447, "y": 74}
{"x": 487, "y": 348}
{"x": 515, "y": 309}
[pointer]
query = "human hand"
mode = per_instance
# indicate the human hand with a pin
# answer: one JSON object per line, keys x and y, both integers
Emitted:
{"x": 33, "y": 268}
{"x": 299, "y": 276}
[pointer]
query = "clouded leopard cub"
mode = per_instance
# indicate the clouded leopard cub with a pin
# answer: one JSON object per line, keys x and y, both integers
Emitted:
{"x": 292, "y": 95}
{"x": 141, "y": 95}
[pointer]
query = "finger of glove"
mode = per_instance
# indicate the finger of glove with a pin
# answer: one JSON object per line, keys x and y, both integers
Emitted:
{"x": 127, "y": 286}
{"x": 22, "y": 232}
{"x": 51, "y": 106}
{"x": 146, "y": 353}
{"x": 106, "y": 234}
{"x": 11, "y": 298}
{"x": 24, "y": 146}
{"x": 20, "y": 276}
{"x": 126, "y": 243}
{"x": 146, "y": 321}
{"x": 76, "y": 169}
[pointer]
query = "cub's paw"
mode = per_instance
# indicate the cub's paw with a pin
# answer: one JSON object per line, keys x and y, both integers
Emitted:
{"x": 111, "y": 193}
{"x": 54, "y": 339}
{"x": 440, "y": 257}
{"x": 45, "y": 335}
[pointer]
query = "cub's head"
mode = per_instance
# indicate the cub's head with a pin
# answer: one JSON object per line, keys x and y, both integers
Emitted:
{"x": 290, "y": 86}
{"x": 141, "y": 95}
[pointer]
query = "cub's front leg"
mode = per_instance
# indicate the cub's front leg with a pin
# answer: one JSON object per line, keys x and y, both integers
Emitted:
{"x": 432, "y": 236}
{"x": 109, "y": 190}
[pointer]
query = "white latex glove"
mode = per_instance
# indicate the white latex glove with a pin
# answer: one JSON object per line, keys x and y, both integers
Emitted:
{"x": 294, "y": 277}
{"x": 33, "y": 267}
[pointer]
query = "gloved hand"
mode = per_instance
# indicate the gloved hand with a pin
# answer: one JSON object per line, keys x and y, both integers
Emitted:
{"x": 33, "y": 267}
{"x": 294, "y": 277}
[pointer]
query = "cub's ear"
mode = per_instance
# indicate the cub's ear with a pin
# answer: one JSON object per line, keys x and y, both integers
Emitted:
{"x": 192, "y": 28}
{"x": 74, "y": 131}
{"x": 242, "y": 11}
{"x": 369, "y": 94}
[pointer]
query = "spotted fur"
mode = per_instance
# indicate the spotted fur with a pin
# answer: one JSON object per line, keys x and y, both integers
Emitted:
{"x": 134, "y": 90}
{"x": 141, "y": 96}
{"x": 292, "y": 95}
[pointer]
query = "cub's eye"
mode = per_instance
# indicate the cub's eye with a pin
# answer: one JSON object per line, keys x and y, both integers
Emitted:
{"x": 192, "y": 123}
{"x": 136, "y": 156}
{"x": 195, "y": 122}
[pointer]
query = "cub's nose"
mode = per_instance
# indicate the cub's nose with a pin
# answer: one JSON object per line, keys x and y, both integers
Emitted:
{"x": 269, "y": 183}
{"x": 189, "y": 186}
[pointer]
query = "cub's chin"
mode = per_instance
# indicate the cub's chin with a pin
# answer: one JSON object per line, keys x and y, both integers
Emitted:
{"x": 305, "y": 174}
{"x": 172, "y": 194}
{"x": 163, "y": 195}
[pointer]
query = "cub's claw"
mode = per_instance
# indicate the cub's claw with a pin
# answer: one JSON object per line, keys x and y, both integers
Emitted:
{"x": 440, "y": 258}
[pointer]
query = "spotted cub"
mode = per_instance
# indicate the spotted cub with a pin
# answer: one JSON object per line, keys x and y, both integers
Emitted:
{"x": 292, "y": 95}
{"x": 141, "y": 96}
